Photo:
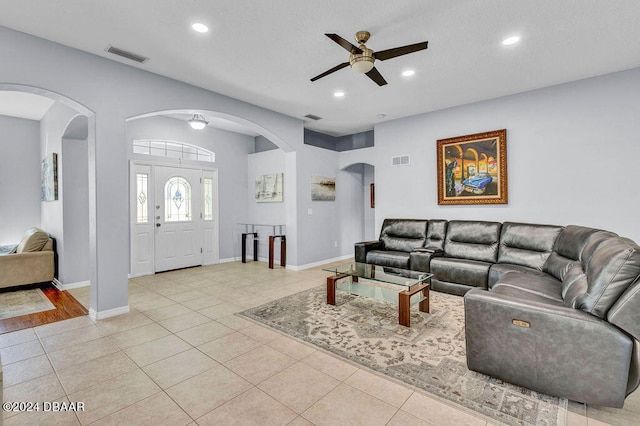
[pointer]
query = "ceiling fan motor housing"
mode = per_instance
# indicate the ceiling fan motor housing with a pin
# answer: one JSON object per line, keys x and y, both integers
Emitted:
{"x": 362, "y": 62}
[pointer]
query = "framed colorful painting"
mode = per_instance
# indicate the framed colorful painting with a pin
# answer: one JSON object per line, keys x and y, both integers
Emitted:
{"x": 472, "y": 169}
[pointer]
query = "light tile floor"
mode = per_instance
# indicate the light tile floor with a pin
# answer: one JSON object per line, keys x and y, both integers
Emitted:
{"x": 182, "y": 357}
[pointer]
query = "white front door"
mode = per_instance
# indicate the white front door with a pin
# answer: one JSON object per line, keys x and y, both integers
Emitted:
{"x": 178, "y": 218}
{"x": 174, "y": 218}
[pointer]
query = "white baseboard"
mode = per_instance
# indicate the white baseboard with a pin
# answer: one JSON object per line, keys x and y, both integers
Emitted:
{"x": 320, "y": 263}
{"x": 229, "y": 259}
{"x": 108, "y": 313}
{"x": 64, "y": 287}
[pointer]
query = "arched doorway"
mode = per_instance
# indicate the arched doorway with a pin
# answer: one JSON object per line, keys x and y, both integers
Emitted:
{"x": 362, "y": 215}
{"x": 151, "y": 166}
{"x": 69, "y": 120}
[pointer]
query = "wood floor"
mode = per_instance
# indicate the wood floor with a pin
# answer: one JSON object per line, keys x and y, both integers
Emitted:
{"x": 66, "y": 307}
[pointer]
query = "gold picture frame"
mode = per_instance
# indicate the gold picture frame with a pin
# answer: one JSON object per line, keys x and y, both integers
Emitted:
{"x": 472, "y": 169}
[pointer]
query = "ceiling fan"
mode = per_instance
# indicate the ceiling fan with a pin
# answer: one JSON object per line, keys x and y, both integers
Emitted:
{"x": 361, "y": 58}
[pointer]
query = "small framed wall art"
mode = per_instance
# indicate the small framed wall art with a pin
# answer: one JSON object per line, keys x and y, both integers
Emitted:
{"x": 269, "y": 188}
{"x": 323, "y": 188}
{"x": 49, "y": 178}
{"x": 472, "y": 169}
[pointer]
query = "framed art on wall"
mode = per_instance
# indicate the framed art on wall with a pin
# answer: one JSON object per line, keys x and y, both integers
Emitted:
{"x": 49, "y": 178}
{"x": 472, "y": 169}
{"x": 269, "y": 188}
{"x": 323, "y": 188}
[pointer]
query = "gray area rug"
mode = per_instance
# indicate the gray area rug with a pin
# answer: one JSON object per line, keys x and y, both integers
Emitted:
{"x": 429, "y": 356}
{"x": 23, "y": 302}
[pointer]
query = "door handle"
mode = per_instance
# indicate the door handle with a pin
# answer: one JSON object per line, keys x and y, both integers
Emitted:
{"x": 158, "y": 225}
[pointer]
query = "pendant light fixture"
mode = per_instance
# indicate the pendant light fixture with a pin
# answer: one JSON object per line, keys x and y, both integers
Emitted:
{"x": 198, "y": 122}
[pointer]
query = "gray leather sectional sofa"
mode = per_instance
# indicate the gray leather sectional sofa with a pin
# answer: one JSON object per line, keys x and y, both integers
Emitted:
{"x": 555, "y": 309}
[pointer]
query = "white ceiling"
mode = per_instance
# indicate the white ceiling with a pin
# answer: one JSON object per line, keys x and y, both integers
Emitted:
{"x": 266, "y": 52}
{"x": 24, "y": 105}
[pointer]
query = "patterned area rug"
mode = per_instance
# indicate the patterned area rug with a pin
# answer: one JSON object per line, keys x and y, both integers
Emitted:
{"x": 23, "y": 302}
{"x": 430, "y": 355}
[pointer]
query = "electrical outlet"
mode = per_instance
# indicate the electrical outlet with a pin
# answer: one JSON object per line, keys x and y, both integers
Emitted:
{"x": 309, "y": 212}
{"x": 335, "y": 244}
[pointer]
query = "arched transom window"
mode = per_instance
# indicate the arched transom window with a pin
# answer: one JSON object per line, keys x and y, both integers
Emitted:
{"x": 172, "y": 149}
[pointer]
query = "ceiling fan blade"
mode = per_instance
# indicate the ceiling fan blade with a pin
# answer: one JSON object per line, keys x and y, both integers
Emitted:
{"x": 376, "y": 76}
{"x": 399, "y": 51}
{"x": 344, "y": 43}
{"x": 332, "y": 70}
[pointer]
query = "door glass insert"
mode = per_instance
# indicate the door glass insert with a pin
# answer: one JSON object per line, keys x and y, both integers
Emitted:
{"x": 207, "y": 187}
{"x": 177, "y": 200}
{"x": 142, "y": 209}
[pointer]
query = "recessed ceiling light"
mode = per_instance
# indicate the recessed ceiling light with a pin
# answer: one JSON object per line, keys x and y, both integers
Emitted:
{"x": 338, "y": 94}
{"x": 510, "y": 40}
{"x": 408, "y": 73}
{"x": 201, "y": 28}
{"x": 382, "y": 115}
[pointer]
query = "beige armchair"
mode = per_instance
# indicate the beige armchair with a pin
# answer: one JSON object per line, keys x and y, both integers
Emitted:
{"x": 32, "y": 261}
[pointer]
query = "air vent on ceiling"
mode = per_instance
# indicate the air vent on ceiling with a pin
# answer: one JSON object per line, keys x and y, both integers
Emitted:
{"x": 126, "y": 54}
{"x": 402, "y": 160}
{"x": 313, "y": 117}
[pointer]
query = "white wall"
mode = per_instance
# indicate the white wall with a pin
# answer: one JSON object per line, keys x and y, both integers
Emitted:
{"x": 572, "y": 154}
{"x": 19, "y": 177}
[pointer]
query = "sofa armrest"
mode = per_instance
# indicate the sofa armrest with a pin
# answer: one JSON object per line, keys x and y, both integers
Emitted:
{"x": 365, "y": 247}
{"x": 420, "y": 258}
{"x": 548, "y": 348}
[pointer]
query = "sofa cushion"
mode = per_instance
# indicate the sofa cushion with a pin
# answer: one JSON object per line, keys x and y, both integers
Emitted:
{"x": 32, "y": 240}
{"x": 395, "y": 259}
{"x": 527, "y": 244}
{"x": 8, "y": 249}
{"x": 568, "y": 248}
{"x": 403, "y": 234}
{"x": 523, "y": 296}
{"x": 498, "y": 270}
{"x": 436, "y": 234}
{"x": 540, "y": 284}
{"x": 475, "y": 240}
{"x": 612, "y": 265}
{"x": 461, "y": 271}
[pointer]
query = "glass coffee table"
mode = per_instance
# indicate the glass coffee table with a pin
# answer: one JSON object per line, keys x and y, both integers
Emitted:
{"x": 392, "y": 285}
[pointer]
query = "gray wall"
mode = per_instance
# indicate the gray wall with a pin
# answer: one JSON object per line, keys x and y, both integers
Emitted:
{"x": 339, "y": 143}
{"x": 572, "y": 154}
{"x": 319, "y": 230}
{"x": 19, "y": 177}
{"x": 231, "y": 150}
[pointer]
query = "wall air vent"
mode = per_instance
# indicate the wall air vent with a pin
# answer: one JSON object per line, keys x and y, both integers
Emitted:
{"x": 126, "y": 54}
{"x": 313, "y": 117}
{"x": 402, "y": 160}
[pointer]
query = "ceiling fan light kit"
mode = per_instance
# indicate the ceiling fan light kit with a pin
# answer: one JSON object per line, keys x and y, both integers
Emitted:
{"x": 362, "y": 59}
{"x": 198, "y": 122}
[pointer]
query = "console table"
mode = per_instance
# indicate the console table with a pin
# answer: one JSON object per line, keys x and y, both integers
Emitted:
{"x": 277, "y": 231}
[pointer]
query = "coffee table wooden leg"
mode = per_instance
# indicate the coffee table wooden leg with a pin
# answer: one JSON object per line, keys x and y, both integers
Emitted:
{"x": 331, "y": 290}
{"x": 423, "y": 306}
{"x": 404, "y": 309}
